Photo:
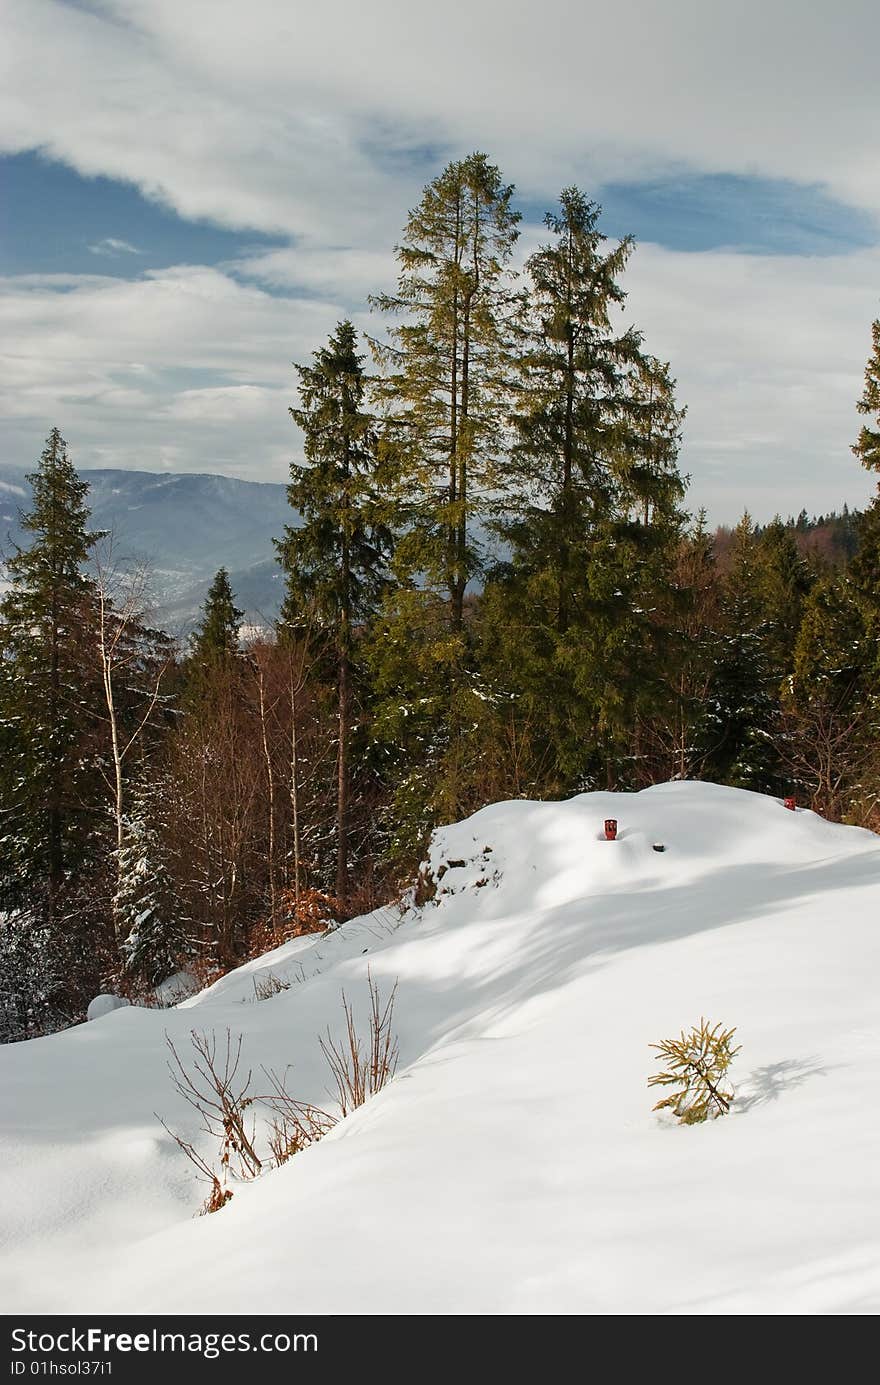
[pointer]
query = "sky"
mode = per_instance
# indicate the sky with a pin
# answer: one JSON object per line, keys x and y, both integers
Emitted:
{"x": 192, "y": 194}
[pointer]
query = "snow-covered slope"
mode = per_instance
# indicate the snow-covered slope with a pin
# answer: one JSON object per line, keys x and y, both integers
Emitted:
{"x": 514, "y": 1164}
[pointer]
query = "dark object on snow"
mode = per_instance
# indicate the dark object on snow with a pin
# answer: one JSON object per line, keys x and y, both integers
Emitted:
{"x": 790, "y": 803}
{"x": 456, "y": 865}
{"x": 610, "y": 829}
{"x": 659, "y": 846}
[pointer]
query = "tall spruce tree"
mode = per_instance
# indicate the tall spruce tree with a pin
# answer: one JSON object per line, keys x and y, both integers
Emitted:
{"x": 866, "y": 566}
{"x": 445, "y": 380}
{"x": 444, "y": 391}
{"x": 784, "y": 580}
{"x": 831, "y": 709}
{"x": 50, "y": 696}
{"x": 216, "y": 637}
{"x": 744, "y": 695}
{"x": 336, "y": 560}
{"x": 589, "y": 510}
{"x": 867, "y": 445}
{"x": 570, "y": 397}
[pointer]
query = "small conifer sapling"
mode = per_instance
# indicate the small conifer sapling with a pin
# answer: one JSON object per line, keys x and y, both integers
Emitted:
{"x": 697, "y": 1065}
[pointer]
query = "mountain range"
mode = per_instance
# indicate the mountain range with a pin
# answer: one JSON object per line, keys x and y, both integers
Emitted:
{"x": 185, "y": 526}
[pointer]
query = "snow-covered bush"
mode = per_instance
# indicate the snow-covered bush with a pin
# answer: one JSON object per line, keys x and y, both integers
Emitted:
{"x": 146, "y": 909}
{"x": 31, "y": 979}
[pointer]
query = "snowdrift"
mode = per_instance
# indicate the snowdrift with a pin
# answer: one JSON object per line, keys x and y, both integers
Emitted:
{"x": 514, "y": 1164}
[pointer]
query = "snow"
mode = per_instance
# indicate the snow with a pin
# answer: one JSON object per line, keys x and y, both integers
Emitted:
{"x": 514, "y": 1165}
{"x": 175, "y": 988}
{"x": 105, "y": 1005}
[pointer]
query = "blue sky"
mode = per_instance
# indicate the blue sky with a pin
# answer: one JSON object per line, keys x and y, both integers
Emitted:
{"x": 194, "y": 194}
{"x": 56, "y": 221}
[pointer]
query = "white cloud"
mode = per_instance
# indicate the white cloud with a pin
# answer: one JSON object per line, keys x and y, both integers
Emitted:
{"x": 300, "y": 119}
{"x": 250, "y": 404}
{"x": 310, "y": 122}
{"x": 112, "y": 246}
{"x": 189, "y": 369}
{"x": 310, "y": 267}
{"x": 769, "y": 353}
{"x": 184, "y": 368}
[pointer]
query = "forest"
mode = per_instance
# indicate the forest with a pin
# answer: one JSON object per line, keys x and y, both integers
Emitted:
{"x": 494, "y": 590}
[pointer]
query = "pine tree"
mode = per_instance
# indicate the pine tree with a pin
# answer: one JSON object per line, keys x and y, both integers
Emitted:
{"x": 647, "y": 462}
{"x": 744, "y": 695}
{"x": 784, "y": 579}
{"x": 831, "y": 709}
{"x": 32, "y": 978}
{"x": 49, "y": 697}
{"x": 336, "y": 561}
{"x": 589, "y": 510}
{"x": 445, "y": 384}
{"x": 679, "y": 729}
{"x": 866, "y": 566}
{"x": 570, "y": 398}
{"x": 867, "y": 446}
{"x": 444, "y": 390}
{"x": 865, "y": 572}
{"x": 154, "y": 934}
{"x": 216, "y": 637}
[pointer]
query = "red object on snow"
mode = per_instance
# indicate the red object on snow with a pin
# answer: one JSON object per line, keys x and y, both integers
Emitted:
{"x": 610, "y": 829}
{"x": 790, "y": 803}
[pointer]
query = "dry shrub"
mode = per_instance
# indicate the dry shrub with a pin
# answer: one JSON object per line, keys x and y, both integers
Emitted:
{"x": 359, "y": 1069}
{"x": 267, "y": 986}
{"x": 214, "y": 1088}
{"x": 425, "y": 887}
{"x": 295, "y": 1124}
{"x": 217, "y": 1197}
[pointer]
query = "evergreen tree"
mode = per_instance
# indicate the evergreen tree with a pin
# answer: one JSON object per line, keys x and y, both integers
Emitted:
{"x": 49, "y": 696}
{"x": 831, "y": 653}
{"x": 571, "y": 397}
{"x": 445, "y": 384}
{"x": 832, "y": 710}
{"x": 33, "y": 978}
{"x": 744, "y": 695}
{"x": 678, "y": 729}
{"x": 445, "y": 392}
{"x": 784, "y": 579}
{"x": 147, "y": 906}
{"x": 650, "y": 482}
{"x": 217, "y": 634}
{"x": 336, "y": 561}
{"x": 589, "y": 510}
{"x": 867, "y": 446}
{"x": 865, "y": 573}
{"x": 866, "y": 565}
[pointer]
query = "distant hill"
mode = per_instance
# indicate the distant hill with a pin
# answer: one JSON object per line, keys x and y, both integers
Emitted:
{"x": 185, "y": 526}
{"x": 832, "y": 538}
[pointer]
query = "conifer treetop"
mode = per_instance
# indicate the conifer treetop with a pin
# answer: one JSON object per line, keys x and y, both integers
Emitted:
{"x": 58, "y": 519}
{"x": 867, "y": 447}
{"x": 216, "y": 636}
